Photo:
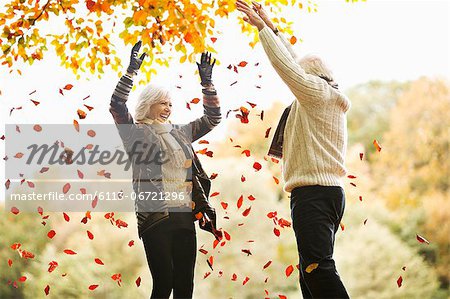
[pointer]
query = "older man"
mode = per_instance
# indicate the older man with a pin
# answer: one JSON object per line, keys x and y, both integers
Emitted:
{"x": 311, "y": 140}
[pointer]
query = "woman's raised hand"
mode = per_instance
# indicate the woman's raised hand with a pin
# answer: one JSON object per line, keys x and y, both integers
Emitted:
{"x": 135, "y": 61}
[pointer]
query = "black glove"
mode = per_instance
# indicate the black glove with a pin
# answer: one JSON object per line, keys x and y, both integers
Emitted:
{"x": 135, "y": 62}
{"x": 205, "y": 69}
{"x": 208, "y": 222}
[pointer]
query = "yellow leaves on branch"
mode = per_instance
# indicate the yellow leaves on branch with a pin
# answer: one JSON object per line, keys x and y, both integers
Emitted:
{"x": 85, "y": 28}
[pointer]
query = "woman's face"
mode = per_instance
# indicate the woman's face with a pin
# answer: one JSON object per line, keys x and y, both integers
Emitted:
{"x": 160, "y": 111}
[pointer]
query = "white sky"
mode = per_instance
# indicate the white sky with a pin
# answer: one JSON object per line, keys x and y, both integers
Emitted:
{"x": 375, "y": 40}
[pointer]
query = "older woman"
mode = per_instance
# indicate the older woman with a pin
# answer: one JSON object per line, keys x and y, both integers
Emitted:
{"x": 165, "y": 183}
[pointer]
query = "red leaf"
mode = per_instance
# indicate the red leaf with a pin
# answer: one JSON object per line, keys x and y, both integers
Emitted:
{"x": 342, "y": 226}
{"x": 251, "y": 104}
{"x": 276, "y": 231}
{"x": 213, "y": 39}
{"x": 47, "y": 290}
{"x": 246, "y": 212}
{"x": 245, "y": 280}
{"x": 51, "y": 234}
{"x": 88, "y": 107}
{"x": 52, "y": 266}
{"x": 242, "y": 178}
{"x": 18, "y": 155}
{"x": 91, "y": 133}
{"x": 90, "y": 235}
{"x": 214, "y": 194}
{"x": 131, "y": 243}
{"x": 272, "y": 214}
{"x": 422, "y": 239}
{"x": 284, "y": 223}
{"x": 246, "y": 152}
{"x": 353, "y": 184}
{"x": 239, "y": 202}
{"x": 361, "y": 155}
{"x": 10, "y": 262}
{"x": 224, "y": 205}
{"x": 66, "y": 188}
{"x": 289, "y": 270}
{"x": 15, "y": 210}
{"x": 94, "y": 202}
{"x": 138, "y": 281}
{"x": 203, "y": 251}
{"x": 188, "y": 106}
{"x": 98, "y": 261}
{"x": 251, "y": 197}
{"x": 15, "y": 246}
{"x": 360, "y": 198}
{"x": 206, "y": 275}
{"x": 267, "y": 132}
{"x": 61, "y": 92}
{"x": 234, "y": 277}
{"x": 247, "y": 251}
{"x": 242, "y": 64}
{"x": 213, "y": 176}
{"x": 80, "y": 174}
{"x": 93, "y": 287}
{"x": 35, "y": 102}
{"x": 26, "y": 254}
{"x": 121, "y": 223}
{"x": 267, "y": 264}
{"x": 7, "y": 183}
{"x": 227, "y": 235}
{"x": 399, "y": 281}
{"x": 282, "y": 296}
{"x": 37, "y": 128}
{"x": 69, "y": 251}
{"x": 22, "y": 278}
{"x": 351, "y": 177}
{"x": 44, "y": 169}
{"x": 66, "y": 217}
{"x": 257, "y": 166}
{"x": 210, "y": 262}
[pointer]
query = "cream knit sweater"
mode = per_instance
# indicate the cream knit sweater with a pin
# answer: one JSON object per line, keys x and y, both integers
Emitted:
{"x": 315, "y": 136}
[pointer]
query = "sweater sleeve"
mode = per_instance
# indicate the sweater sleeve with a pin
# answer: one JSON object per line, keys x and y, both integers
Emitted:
{"x": 308, "y": 89}
{"x": 118, "y": 108}
{"x": 287, "y": 45}
{"x": 211, "y": 117}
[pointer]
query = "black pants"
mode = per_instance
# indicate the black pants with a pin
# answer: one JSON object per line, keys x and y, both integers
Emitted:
{"x": 171, "y": 251}
{"x": 316, "y": 213}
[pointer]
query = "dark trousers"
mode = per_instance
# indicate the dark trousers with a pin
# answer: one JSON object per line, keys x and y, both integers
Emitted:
{"x": 171, "y": 253}
{"x": 316, "y": 213}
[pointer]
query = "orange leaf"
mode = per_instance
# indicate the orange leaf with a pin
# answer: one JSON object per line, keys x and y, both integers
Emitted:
{"x": 68, "y": 87}
{"x": 377, "y": 145}
{"x": 195, "y": 100}
{"x": 37, "y": 128}
{"x": 277, "y": 181}
{"x": 18, "y": 155}
{"x": 91, "y": 133}
{"x": 293, "y": 40}
{"x": 76, "y": 125}
{"x": 81, "y": 114}
{"x": 242, "y": 63}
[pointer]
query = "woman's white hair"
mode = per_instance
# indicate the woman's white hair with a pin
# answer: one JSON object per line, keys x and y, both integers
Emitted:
{"x": 314, "y": 65}
{"x": 152, "y": 94}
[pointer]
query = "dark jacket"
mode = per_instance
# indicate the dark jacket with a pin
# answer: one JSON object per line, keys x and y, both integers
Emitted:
{"x": 147, "y": 177}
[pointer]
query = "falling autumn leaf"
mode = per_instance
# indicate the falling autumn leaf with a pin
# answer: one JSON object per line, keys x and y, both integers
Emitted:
{"x": 66, "y": 217}
{"x": 240, "y": 201}
{"x": 361, "y": 155}
{"x": 224, "y": 205}
{"x": 242, "y": 178}
{"x": 7, "y": 183}
{"x": 88, "y": 107}
{"x": 68, "y": 87}
{"x": 213, "y": 176}
{"x": 91, "y": 133}
{"x": 66, "y": 188}
{"x": 277, "y": 181}
{"x": 422, "y": 239}
{"x": 138, "y": 281}
{"x": 52, "y": 266}
{"x": 69, "y": 251}
{"x": 51, "y": 234}
{"x": 293, "y": 40}
{"x": 195, "y": 101}
{"x": 81, "y": 114}
{"x": 246, "y": 212}
{"x": 14, "y": 210}
{"x": 257, "y": 166}
{"x": 311, "y": 267}
{"x": 47, "y": 290}
{"x": 399, "y": 281}
{"x": 35, "y": 102}
{"x": 377, "y": 145}
{"x": 213, "y": 39}
{"x": 76, "y": 125}
{"x": 246, "y": 153}
{"x": 214, "y": 194}
{"x": 267, "y": 264}
{"x": 18, "y": 155}
{"x": 90, "y": 235}
{"x": 276, "y": 231}
{"x": 251, "y": 104}
{"x": 93, "y": 287}
{"x": 289, "y": 270}
{"x": 242, "y": 64}
{"x": 98, "y": 261}
{"x": 267, "y": 132}
{"x": 37, "y": 128}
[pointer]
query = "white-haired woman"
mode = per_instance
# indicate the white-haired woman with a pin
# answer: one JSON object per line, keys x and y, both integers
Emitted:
{"x": 166, "y": 175}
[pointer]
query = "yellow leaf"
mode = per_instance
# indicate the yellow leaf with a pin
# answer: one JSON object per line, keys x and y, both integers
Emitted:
{"x": 311, "y": 267}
